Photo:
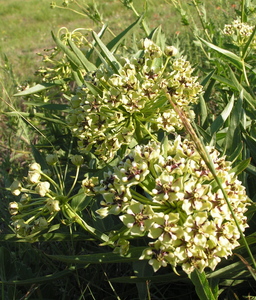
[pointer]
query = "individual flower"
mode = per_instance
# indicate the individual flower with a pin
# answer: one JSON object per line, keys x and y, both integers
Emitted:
{"x": 138, "y": 218}
{"x": 52, "y": 205}
{"x": 21, "y": 227}
{"x": 35, "y": 167}
{"x": 51, "y": 159}
{"x": 77, "y": 160}
{"x": 33, "y": 176}
{"x": 14, "y": 208}
{"x": 16, "y": 188}
{"x": 88, "y": 185}
{"x": 43, "y": 188}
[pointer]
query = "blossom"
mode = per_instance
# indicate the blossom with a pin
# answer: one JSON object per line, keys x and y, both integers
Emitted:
{"x": 52, "y": 205}
{"x": 176, "y": 203}
{"x": 240, "y": 33}
{"x": 13, "y": 208}
{"x": 43, "y": 188}
{"x": 77, "y": 160}
{"x": 16, "y": 188}
{"x": 51, "y": 159}
{"x": 114, "y": 109}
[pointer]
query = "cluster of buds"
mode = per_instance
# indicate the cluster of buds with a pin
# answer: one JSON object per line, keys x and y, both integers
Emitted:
{"x": 114, "y": 107}
{"x": 40, "y": 200}
{"x": 166, "y": 193}
{"x": 240, "y": 33}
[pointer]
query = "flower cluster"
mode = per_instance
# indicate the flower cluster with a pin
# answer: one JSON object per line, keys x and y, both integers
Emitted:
{"x": 240, "y": 33}
{"x": 114, "y": 107}
{"x": 165, "y": 192}
{"x": 29, "y": 214}
{"x": 41, "y": 197}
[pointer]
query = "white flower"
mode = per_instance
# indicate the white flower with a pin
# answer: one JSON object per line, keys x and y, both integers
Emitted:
{"x": 16, "y": 188}
{"x": 43, "y": 188}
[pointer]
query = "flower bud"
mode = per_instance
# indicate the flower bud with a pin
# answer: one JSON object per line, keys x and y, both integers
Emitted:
{"x": 77, "y": 160}
{"x": 33, "y": 176}
{"x": 53, "y": 205}
{"x": 51, "y": 159}
{"x": 16, "y": 188}
{"x": 25, "y": 198}
{"x": 40, "y": 223}
{"x": 171, "y": 51}
{"x": 43, "y": 188}
{"x": 13, "y": 208}
{"x": 34, "y": 167}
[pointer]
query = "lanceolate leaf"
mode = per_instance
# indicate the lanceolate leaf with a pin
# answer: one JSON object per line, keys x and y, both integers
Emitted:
{"x": 70, "y": 54}
{"x": 233, "y": 136}
{"x": 219, "y": 121}
{"x": 241, "y": 167}
{"x": 36, "y": 89}
{"x": 50, "y": 237}
{"x": 88, "y": 66}
{"x": 112, "y": 45}
{"x": 250, "y": 100}
{"x": 202, "y": 285}
{"x": 106, "y": 53}
{"x": 233, "y": 58}
{"x": 40, "y": 280}
{"x": 100, "y": 258}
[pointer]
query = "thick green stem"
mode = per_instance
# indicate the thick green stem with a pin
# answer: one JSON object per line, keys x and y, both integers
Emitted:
{"x": 93, "y": 231}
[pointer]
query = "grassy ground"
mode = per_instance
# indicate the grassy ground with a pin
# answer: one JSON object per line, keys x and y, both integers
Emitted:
{"x": 26, "y": 26}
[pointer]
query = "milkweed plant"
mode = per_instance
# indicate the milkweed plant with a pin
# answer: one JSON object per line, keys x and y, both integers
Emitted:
{"x": 149, "y": 174}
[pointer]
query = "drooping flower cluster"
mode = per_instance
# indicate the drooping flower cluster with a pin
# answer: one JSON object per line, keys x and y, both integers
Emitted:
{"x": 240, "y": 33}
{"x": 114, "y": 107}
{"x": 27, "y": 218}
{"x": 41, "y": 198}
{"x": 167, "y": 194}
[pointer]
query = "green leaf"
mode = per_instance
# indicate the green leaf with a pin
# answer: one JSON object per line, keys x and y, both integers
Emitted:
{"x": 202, "y": 285}
{"x": 203, "y": 110}
{"x": 250, "y": 100}
{"x": 36, "y": 115}
{"x": 46, "y": 237}
{"x": 88, "y": 66}
{"x": 100, "y": 35}
{"x": 93, "y": 88}
{"x": 252, "y": 170}
{"x": 100, "y": 258}
{"x": 113, "y": 44}
{"x": 142, "y": 269}
{"x": 241, "y": 166}
{"x": 70, "y": 54}
{"x": 246, "y": 47}
{"x": 236, "y": 152}
{"x": 169, "y": 277}
{"x": 80, "y": 201}
{"x": 39, "y": 158}
{"x": 106, "y": 53}
{"x": 50, "y": 106}
{"x": 35, "y": 89}
{"x": 40, "y": 280}
{"x": 251, "y": 143}
{"x": 233, "y": 136}
{"x": 232, "y": 271}
{"x": 233, "y": 58}
{"x": 220, "y": 120}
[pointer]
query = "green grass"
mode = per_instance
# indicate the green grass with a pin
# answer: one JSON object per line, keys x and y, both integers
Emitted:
{"x": 26, "y": 26}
